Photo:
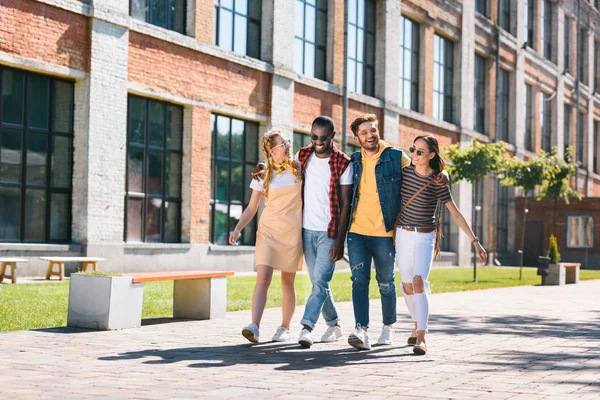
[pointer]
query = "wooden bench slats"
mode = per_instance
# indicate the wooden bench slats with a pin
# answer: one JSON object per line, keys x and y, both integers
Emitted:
{"x": 139, "y": 277}
{"x": 71, "y": 259}
{"x": 15, "y": 260}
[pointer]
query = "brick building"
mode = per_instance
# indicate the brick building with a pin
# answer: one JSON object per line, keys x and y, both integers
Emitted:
{"x": 128, "y": 128}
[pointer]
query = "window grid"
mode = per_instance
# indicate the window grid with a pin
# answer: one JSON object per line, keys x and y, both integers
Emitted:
{"x": 580, "y": 141}
{"x": 503, "y": 105}
{"x": 361, "y": 46}
{"x": 529, "y": 21}
{"x": 546, "y": 122}
{"x": 168, "y": 14}
{"x": 547, "y": 29}
{"x": 528, "y": 117}
{"x": 580, "y": 231}
{"x": 502, "y": 218}
{"x": 443, "y": 79}
{"x": 479, "y": 104}
{"x": 234, "y": 155}
{"x": 311, "y": 38}
{"x": 445, "y": 242}
{"x": 237, "y": 26}
{"x": 481, "y": 7}
{"x": 154, "y": 159}
{"x": 36, "y": 157}
{"x": 300, "y": 140}
{"x": 409, "y": 64}
{"x": 504, "y": 14}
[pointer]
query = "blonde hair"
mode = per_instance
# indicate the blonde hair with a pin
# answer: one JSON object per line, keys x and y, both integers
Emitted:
{"x": 267, "y": 143}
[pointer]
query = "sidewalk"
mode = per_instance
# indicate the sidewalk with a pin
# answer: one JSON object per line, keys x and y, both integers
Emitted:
{"x": 517, "y": 343}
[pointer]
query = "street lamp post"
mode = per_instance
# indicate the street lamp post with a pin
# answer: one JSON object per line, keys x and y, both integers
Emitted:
{"x": 477, "y": 209}
{"x": 525, "y": 211}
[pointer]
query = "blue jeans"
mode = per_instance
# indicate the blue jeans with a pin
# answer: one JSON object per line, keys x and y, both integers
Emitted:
{"x": 320, "y": 269}
{"x": 361, "y": 250}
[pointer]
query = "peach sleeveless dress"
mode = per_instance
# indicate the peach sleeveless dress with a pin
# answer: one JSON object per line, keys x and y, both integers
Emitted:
{"x": 279, "y": 235}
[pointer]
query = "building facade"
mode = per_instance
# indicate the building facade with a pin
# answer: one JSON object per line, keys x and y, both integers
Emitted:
{"x": 128, "y": 129}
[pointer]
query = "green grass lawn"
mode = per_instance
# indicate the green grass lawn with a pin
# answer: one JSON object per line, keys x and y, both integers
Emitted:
{"x": 31, "y": 306}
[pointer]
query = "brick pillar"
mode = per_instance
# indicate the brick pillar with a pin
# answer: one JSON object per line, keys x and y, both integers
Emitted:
{"x": 589, "y": 120}
{"x": 426, "y": 68}
{"x": 200, "y": 15}
{"x": 560, "y": 94}
{"x": 518, "y": 105}
{"x": 101, "y": 131}
{"x": 465, "y": 84}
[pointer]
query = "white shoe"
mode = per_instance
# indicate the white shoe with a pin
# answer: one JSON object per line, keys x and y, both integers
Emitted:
{"x": 386, "y": 336}
{"x": 305, "y": 339}
{"x": 332, "y": 334}
{"x": 281, "y": 335}
{"x": 359, "y": 339}
{"x": 251, "y": 332}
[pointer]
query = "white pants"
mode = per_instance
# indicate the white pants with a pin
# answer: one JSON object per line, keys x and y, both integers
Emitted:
{"x": 414, "y": 255}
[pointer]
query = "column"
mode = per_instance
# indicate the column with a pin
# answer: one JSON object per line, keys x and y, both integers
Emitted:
{"x": 589, "y": 120}
{"x": 560, "y": 83}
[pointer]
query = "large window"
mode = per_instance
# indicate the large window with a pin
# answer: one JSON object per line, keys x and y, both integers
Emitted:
{"x": 528, "y": 117}
{"x": 443, "y": 78}
{"x": 237, "y": 26}
{"x": 529, "y": 21}
{"x": 310, "y": 38}
{"x": 547, "y": 29}
{"x": 154, "y": 150}
{"x": 361, "y": 46}
{"x": 580, "y": 231}
{"x": 581, "y": 141}
{"x": 409, "y": 64}
{"x": 168, "y": 14}
{"x": 234, "y": 155}
{"x": 503, "y": 105}
{"x": 546, "y": 121}
{"x": 567, "y": 126}
{"x": 582, "y": 54}
{"x": 300, "y": 140}
{"x": 480, "y": 7}
{"x": 36, "y": 157}
{"x": 567, "y": 44}
{"x": 479, "y": 103}
{"x": 504, "y": 14}
{"x": 502, "y": 218}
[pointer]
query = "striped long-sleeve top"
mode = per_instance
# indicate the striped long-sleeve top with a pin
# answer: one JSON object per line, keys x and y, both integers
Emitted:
{"x": 422, "y": 209}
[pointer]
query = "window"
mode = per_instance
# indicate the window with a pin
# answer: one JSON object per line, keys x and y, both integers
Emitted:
{"x": 580, "y": 141}
{"x": 477, "y": 213}
{"x": 596, "y": 144}
{"x": 567, "y": 127}
{"x": 446, "y": 240}
{"x": 443, "y": 78}
{"x": 310, "y": 42}
{"x": 36, "y": 157}
{"x": 547, "y": 29}
{"x": 596, "y": 68}
{"x": 528, "y": 117}
{"x": 300, "y": 140}
{"x": 567, "y": 44}
{"x": 237, "y": 26}
{"x": 546, "y": 122}
{"x": 153, "y": 199}
{"x": 409, "y": 64}
{"x": 168, "y": 14}
{"x": 234, "y": 155}
{"x": 480, "y": 7}
{"x": 580, "y": 231}
{"x": 361, "y": 46}
{"x": 479, "y": 103}
{"x": 582, "y": 54}
{"x": 502, "y": 218}
{"x": 504, "y": 14}
{"x": 529, "y": 21}
{"x": 503, "y": 105}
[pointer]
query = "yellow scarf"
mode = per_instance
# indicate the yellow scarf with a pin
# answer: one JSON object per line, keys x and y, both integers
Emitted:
{"x": 279, "y": 168}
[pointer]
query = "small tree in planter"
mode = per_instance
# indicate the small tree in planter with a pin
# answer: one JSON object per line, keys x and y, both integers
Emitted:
{"x": 553, "y": 251}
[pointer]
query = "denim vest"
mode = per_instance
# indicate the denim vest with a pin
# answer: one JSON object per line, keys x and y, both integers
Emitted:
{"x": 388, "y": 176}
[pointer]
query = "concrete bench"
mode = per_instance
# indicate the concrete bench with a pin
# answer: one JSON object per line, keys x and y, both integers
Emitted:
{"x": 563, "y": 273}
{"x": 11, "y": 263}
{"x": 60, "y": 263}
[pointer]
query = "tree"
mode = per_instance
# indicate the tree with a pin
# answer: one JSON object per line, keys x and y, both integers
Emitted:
{"x": 474, "y": 163}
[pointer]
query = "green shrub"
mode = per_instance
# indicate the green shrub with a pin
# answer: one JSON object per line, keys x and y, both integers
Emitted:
{"x": 97, "y": 273}
{"x": 553, "y": 250}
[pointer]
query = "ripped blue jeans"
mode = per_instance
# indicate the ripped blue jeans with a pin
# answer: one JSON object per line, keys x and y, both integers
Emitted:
{"x": 361, "y": 251}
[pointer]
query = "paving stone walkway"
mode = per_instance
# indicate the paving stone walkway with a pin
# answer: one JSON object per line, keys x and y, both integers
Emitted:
{"x": 517, "y": 343}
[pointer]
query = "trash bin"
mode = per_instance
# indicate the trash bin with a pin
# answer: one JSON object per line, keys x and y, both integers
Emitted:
{"x": 543, "y": 267}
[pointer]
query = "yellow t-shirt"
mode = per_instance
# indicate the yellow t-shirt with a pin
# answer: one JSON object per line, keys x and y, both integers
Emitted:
{"x": 367, "y": 218}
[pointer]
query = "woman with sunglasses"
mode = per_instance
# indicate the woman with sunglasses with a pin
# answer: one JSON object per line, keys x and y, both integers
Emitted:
{"x": 418, "y": 231}
{"x": 279, "y": 235}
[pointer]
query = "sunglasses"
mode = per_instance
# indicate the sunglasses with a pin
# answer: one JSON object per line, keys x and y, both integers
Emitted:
{"x": 412, "y": 149}
{"x": 286, "y": 143}
{"x": 320, "y": 138}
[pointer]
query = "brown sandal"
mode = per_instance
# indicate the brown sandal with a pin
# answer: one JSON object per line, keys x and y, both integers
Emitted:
{"x": 412, "y": 340}
{"x": 420, "y": 349}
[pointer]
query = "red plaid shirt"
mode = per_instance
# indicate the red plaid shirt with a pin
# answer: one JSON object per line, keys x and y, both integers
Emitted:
{"x": 338, "y": 162}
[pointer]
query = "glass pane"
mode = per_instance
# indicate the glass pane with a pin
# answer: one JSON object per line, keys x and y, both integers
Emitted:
{"x": 221, "y": 236}
{"x": 309, "y": 24}
{"x": 37, "y": 148}
{"x": 253, "y": 40}
{"x": 38, "y": 91}
{"x": 241, "y": 31}
{"x": 227, "y": 4}
{"x": 177, "y": 17}
{"x": 135, "y": 170}
{"x": 158, "y": 13}
{"x": 309, "y": 60}
{"x": 10, "y": 205}
{"x": 35, "y": 215}
{"x": 320, "y": 64}
{"x": 222, "y": 147}
{"x": 63, "y": 107}
{"x": 59, "y": 216}
{"x": 153, "y": 211}
{"x": 134, "y": 220}
{"x": 226, "y": 29}
{"x": 299, "y": 19}
{"x": 249, "y": 238}
{"x": 237, "y": 139}
{"x": 352, "y": 11}
{"x": 235, "y": 212}
{"x": 321, "y": 28}
{"x": 351, "y": 75}
{"x": 173, "y": 175}
{"x": 254, "y": 9}
{"x": 137, "y": 119}
{"x": 241, "y": 6}
{"x": 61, "y": 168}
{"x": 222, "y": 181}
{"x": 352, "y": 42}
{"x": 298, "y": 56}
{"x": 10, "y": 155}
{"x": 171, "y": 222}
{"x": 360, "y": 15}
{"x": 251, "y": 142}
{"x": 12, "y": 96}
{"x": 238, "y": 181}
{"x": 155, "y": 167}
{"x": 359, "y": 78}
{"x": 156, "y": 123}
{"x": 175, "y": 127}
{"x": 247, "y": 177}
{"x": 138, "y": 9}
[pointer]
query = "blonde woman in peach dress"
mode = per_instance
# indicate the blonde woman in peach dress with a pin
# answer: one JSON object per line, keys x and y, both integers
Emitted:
{"x": 279, "y": 235}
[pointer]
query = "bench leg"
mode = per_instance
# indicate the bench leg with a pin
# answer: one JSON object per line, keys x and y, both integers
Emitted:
{"x": 13, "y": 276}
{"x": 61, "y": 270}
{"x": 2, "y": 271}
{"x": 200, "y": 298}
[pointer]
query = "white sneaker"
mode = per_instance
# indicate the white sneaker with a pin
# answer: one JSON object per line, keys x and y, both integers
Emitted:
{"x": 305, "y": 339}
{"x": 332, "y": 334}
{"x": 359, "y": 339}
{"x": 386, "y": 336}
{"x": 281, "y": 335}
{"x": 251, "y": 332}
